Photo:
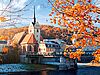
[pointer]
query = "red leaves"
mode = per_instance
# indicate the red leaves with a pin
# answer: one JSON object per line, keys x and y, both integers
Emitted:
{"x": 50, "y": 14}
{"x": 54, "y": 21}
{"x": 89, "y": 1}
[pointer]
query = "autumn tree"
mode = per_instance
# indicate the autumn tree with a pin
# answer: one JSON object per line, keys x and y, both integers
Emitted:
{"x": 96, "y": 54}
{"x": 79, "y": 17}
{"x": 5, "y": 50}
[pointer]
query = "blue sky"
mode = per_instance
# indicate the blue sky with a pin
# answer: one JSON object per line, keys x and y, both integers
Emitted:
{"x": 42, "y": 11}
{"x": 24, "y": 18}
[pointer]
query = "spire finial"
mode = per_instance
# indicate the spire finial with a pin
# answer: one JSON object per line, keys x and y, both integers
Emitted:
{"x": 34, "y": 17}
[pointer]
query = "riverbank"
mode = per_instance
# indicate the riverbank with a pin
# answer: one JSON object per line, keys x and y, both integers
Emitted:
{"x": 82, "y": 65}
{"x": 10, "y": 68}
{"x": 94, "y": 64}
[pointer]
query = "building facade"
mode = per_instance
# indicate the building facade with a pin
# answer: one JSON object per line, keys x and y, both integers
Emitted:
{"x": 51, "y": 47}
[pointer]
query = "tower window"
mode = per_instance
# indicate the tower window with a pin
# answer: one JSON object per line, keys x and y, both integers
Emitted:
{"x": 37, "y": 30}
{"x": 30, "y": 31}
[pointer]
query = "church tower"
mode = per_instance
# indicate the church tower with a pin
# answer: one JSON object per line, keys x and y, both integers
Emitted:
{"x": 34, "y": 28}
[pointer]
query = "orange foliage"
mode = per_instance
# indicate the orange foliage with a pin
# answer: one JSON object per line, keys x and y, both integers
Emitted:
{"x": 5, "y": 50}
{"x": 96, "y": 54}
{"x": 77, "y": 18}
{"x": 2, "y": 19}
{"x": 3, "y": 37}
{"x": 76, "y": 54}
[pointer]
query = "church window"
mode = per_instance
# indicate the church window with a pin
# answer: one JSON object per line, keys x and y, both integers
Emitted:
{"x": 37, "y": 30}
{"x": 30, "y": 31}
{"x": 30, "y": 48}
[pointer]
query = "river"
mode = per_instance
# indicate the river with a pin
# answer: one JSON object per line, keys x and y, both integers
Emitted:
{"x": 14, "y": 69}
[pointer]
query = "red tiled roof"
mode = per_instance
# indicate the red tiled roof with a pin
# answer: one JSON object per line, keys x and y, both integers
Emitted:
{"x": 17, "y": 37}
{"x": 29, "y": 39}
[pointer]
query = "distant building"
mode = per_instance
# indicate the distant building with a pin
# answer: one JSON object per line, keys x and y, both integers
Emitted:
{"x": 3, "y": 43}
{"x": 51, "y": 47}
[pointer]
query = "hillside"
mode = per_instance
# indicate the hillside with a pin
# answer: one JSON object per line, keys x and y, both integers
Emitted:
{"x": 46, "y": 32}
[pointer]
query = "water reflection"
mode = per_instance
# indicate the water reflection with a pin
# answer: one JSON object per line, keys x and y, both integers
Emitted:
{"x": 62, "y": 73}
{"x": 44, "y": 73}
{"x": 17, "y": 69}
{"x": 89, "y": 71}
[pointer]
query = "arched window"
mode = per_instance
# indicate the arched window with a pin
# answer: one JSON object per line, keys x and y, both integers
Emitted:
{"x": 30, "y": 48}
{"x": 37, "y": 30}
{"x": 30, "y": 31}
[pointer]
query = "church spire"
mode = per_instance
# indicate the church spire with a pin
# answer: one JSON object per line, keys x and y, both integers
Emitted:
{"x": 34, "y": 17}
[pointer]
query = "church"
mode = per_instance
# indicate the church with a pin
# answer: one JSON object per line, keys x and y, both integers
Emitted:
{"x": 29, "y": 41}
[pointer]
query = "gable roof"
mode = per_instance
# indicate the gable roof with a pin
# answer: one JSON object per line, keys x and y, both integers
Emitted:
{"x": 29, "y": 39}
{"x": 18, "y": 37}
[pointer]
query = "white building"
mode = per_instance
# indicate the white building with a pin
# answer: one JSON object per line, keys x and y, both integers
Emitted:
{"x": 51, "y": 47}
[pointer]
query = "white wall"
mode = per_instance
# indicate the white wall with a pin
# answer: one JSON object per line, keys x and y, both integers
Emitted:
{"x": 42, "y": 48}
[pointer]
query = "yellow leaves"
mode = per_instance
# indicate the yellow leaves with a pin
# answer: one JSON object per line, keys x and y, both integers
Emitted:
{"x": 77, "y": 5}
{"x": 77, "y": 44}
{"x": 73, "y": 37}
{"x": 2, "y": 19}
{"x": 94, "y": 10}
{"x": 53, "y": 9}
{"x": 3, "y": 37}
{"x": 83, "y": 42}
{"x": 57, "y": 0}
{"x": 64, "y": 53}
{"x": 70, "y": 25}
{"x": 68, "y": 0}
{"x": 96, "y": 54}
{"x": 77, "y": 54}
{"x": 87, "y": 7}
